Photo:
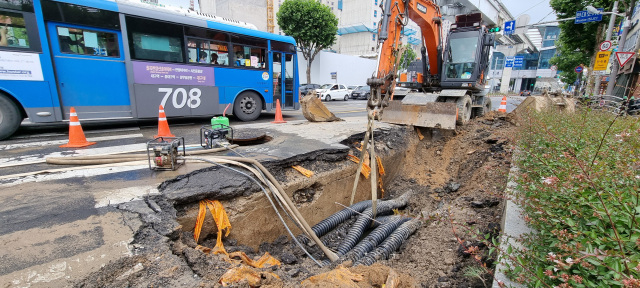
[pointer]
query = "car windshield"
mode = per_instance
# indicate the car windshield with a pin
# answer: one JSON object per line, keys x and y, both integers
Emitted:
{"x": 326, "y": 86}
{"x": 461, "y": 57}
{"x": 352, "y": 87}
{"x": 364, "y": 88}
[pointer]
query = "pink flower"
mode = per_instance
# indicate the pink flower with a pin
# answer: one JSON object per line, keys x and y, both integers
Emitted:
{"x": 550, "y": 180}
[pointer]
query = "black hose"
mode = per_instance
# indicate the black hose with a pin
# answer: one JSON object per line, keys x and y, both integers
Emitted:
{"x": 364, "y": 221}
{"x": 374, "y": 239}
{"x": 391, "y": 244}
{"x": 331, "y": 222}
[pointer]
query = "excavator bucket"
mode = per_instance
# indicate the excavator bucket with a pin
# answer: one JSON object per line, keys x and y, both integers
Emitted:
{"x": 422, "y": 111}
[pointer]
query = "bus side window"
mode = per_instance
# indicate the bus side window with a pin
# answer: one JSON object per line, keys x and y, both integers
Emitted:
{"x": 247, "y": 56}
{"x": 13, "y": 32}
{"x": 219, "y": 53}
{"x": 153, "y": 40}
{"x": 86, "y": 42}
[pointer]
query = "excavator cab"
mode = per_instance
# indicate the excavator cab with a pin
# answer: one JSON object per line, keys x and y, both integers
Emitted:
{"x": 466, "y": 55}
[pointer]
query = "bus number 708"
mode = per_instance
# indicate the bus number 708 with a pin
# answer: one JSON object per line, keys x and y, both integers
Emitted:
{"x": 194, "y": 95}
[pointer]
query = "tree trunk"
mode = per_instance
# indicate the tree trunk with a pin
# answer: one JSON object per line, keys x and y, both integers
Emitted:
{"x": 309, "y": 70}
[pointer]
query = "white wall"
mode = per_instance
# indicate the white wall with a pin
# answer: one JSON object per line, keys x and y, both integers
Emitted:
{"x": 352, "y": 70}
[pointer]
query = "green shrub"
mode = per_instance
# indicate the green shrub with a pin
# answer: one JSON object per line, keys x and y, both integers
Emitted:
{"x": 578, "y": 184}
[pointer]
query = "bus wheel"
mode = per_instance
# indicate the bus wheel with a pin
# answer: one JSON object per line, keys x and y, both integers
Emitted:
{"x": 248, "y": 106}
{"x": 10, "y": 117}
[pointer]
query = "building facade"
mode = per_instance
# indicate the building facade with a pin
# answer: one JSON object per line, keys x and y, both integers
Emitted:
{"x": 536, "y": 73}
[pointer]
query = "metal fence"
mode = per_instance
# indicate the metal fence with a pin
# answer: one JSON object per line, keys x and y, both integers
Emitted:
{"x": 613, "y": 104}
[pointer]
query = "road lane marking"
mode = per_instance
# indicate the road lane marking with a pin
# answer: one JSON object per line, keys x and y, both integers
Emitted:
{"x": 41, "y": 158}
{"x": 58, "y": 174}
{"x": 60, "y": 142}
{"x": 128, "y": 194}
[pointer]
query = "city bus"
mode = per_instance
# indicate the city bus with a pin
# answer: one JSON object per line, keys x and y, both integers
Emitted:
{"x": 116, "y": 60}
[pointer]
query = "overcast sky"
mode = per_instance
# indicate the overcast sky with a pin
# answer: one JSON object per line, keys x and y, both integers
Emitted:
{"x": 537, "y": 9}
{"x": 516, "y": 7}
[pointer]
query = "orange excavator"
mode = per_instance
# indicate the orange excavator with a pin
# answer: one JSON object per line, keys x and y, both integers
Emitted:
{"x": 449, "y": 88}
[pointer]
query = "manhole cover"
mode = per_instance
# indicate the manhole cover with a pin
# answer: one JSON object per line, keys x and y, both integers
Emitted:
{"x": 246, "y": 135}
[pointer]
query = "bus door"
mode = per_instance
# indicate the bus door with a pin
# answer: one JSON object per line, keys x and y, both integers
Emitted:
{"x": 90, "y": 71}
{"x": 283, "y": 79}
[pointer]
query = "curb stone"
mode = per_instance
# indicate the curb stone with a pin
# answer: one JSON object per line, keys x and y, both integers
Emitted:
{"x": 514, "y": 226}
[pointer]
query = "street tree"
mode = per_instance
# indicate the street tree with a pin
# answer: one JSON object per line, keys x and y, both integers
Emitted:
{"x": 407, "y": 57}
{"x": 311, "y": 23}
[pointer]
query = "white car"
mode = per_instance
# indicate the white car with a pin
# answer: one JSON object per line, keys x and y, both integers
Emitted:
{"x": 328, "y": 92}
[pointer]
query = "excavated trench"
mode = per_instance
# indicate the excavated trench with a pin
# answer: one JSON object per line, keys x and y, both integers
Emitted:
{"x": 431, "y": 172}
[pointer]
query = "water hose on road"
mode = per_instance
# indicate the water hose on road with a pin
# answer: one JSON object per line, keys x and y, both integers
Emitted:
{"x": 364, "y": 221}
{"x": 391, "y": 244}
{"x": 331, "y": 222}
{"x": 109, "y": 159}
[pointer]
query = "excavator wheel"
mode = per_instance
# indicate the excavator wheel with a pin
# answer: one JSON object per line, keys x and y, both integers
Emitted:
{"x": 486, "y": 107}
{"x": 464, "y": 109}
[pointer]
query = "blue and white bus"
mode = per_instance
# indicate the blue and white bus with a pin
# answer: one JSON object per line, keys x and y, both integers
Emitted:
{"x": 120, "y": 59}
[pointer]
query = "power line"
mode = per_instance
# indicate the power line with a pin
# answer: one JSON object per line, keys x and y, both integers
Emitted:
{"x": 531, "y": 8}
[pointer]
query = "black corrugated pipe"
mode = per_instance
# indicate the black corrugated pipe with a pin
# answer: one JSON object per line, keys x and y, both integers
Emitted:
{"x": 392, "y": 243}
{"x": 334, "y": 220}
{"x": 374, "y": 239}
{"x": 384, "y": 223}
{"x": 364, "y": 221}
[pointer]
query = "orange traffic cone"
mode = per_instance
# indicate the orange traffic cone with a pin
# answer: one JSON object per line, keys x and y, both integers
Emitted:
{"x": 503, "y": 105}
{"x": 163, "y": 125}
{"x": 76, "y": 135}
{"x": 278, "y": 113}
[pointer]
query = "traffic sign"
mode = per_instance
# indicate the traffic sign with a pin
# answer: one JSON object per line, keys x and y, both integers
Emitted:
{"x": 554, "y": 68}
{"x": 606, "y": 45}
{"x": 602, "y": 61}
{"x": 624, "y": 57}
{"x": 508, "y": 62}
{"x": 586, "y": 16}
{"x": 509, "y": 27}
{"x": 518, "y": 61}
{"x": 578, "y": 69}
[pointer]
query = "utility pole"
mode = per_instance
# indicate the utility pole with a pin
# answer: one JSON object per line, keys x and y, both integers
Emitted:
{"x": 612, "y": 23}
{"x": 623, "y": 39}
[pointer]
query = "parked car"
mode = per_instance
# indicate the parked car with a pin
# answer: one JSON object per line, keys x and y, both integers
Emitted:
{"x": 351, "y": 88}
{"x": 363, "y": 92}
{"x": 306, "y": 88}
{"x": 328, "y": 92}
{"x": 525, "y": 93}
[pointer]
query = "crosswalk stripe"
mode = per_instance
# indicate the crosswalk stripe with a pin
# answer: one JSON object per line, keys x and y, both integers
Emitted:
{"x": 49, "y": 175}
{"x": 60, "y": 142}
